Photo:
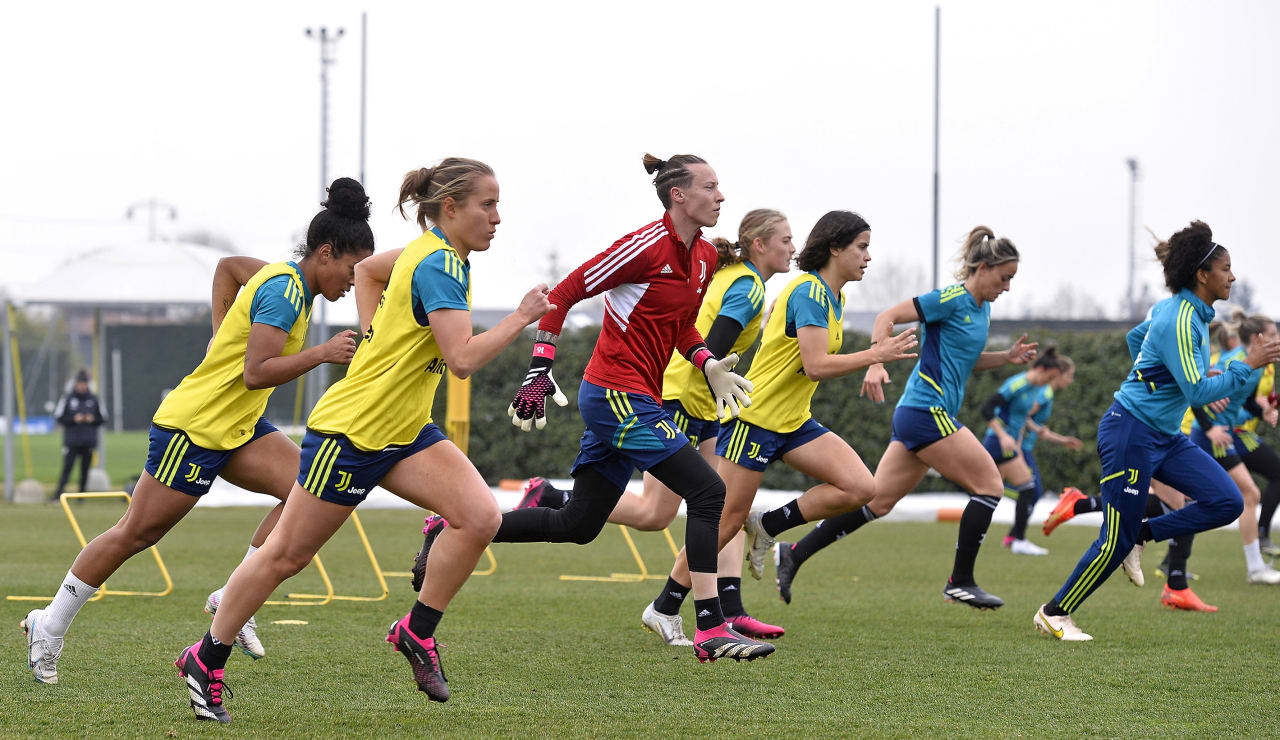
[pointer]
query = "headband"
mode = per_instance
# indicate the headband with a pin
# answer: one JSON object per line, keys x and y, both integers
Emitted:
{"x": 1212, "y": 246}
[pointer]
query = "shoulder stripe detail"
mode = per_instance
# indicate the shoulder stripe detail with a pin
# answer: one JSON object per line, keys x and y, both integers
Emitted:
{"x": 622, "y": 254}
{"x": 594, "y": 281}
{"x": 1186, "y": 347}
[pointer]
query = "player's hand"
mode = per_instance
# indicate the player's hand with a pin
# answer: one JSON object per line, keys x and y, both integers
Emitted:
{"x": 340, "y": 349}
{"x": 1007, "y": 443}
{"x": 1271, "y": 415}
{"x": 1075, "y": 444}
{"x": 529, "y": 408}
{"x": 1219, "y": 405}
{"x": 1219, "y": 436}
{"x": 896, "y": 348}
{"x": 535, "y": 305}
{"x": 729, "y": 388}
{"x": 1263, "y": 353}
{"x": 872, "y": 383}
{"x": 1022, "y": 351}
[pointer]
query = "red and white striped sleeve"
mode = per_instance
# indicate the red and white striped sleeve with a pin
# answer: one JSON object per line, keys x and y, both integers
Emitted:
{"x": 628, "y": 260}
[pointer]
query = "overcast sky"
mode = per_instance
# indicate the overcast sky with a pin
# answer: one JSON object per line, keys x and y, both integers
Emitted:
{"x": 804, "y": 107}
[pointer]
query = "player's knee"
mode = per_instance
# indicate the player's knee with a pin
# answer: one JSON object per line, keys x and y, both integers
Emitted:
{"x": 480, "y": 520}
{"x": 857, "y": 491}
{"x": 135, "y": 539}
{"x": 1250, "y": 494}
{"x": 652, "y": 520}
{"x": 287, "y": 564}
{"x": 1226, "y": 509}
{"x": 706, "y": 501}
{"x": 582, "y": 532}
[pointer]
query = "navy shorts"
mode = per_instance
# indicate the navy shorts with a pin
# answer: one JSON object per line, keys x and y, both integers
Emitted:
{"x": 919, "y": 428}
{"x": 625, "y": 432}
{"x": 697, "y": 430}
{"x": 339, "y": 472}
{"x": 754, "y": 448}
{"x": 177, "y": 462}
{"x": 991, "y": 443}
{"x": 1227, "y": 457}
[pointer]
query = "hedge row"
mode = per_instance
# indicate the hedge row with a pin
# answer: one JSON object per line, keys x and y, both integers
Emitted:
{"x": 501, "y": 451}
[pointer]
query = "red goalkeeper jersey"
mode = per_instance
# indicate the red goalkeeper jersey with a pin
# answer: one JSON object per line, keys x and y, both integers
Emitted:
{"x": 653, "y": 285}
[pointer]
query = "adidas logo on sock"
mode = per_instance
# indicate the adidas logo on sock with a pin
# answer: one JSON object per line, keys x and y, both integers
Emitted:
{"x": 730, "y": 587}
{"x": 666, "y": 270}
{"x": 704, "y": 613}
{"x": 786, "y": 512}
{"x": 71, "y": 589}
{"x": 676, "y": 595}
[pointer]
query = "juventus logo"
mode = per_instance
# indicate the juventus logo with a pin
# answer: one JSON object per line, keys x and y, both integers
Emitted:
{"x": 1133, "y": 476}
{"x": 344, "y": 479}
{"x": 193, "y": 473}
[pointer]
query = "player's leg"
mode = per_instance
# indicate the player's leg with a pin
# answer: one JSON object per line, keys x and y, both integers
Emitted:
{"x": 85, "y": 455}
{"x": 1262, "y": 460}
{"x": 1022, "y": 477}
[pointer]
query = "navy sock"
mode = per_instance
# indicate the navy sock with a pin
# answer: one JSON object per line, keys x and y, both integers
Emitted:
{"x": 782, "y": 518}
{"x": 730, "y": 590}
{"x": 828, "y": 531}
{"x": 1087, "y": 505}
{"x": 709, "y": 614}
{"x": 671, "y": 598}
{"x": 973, "y": 530}
{"x": 1179, "y": 551}
{"x": 1028, "y": 494}
{"x": 1053, "y": 610}
{"x": 212, "y": 653}
{"x": 423, "y": 620}
{"x": 1144, "y": 534}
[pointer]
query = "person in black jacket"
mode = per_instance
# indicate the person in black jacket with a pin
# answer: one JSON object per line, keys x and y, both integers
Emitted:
{"x": 80, "y": 414}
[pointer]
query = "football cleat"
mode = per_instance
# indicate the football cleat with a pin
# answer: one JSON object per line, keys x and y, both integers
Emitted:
{"x": 1265, "y": 575}
{"x": 205, "y": 686}
{"x": 1062, "y": 628}
{"x": 1064, "y": 510}
{"x": 435, "y": 525}
{"x": 1132, "y": 565}
{"x": 970, "y": 595}
{"x": 247, "y": 638}
{"x": 424, "y": 656}
{"x": 1026, "y": 547}
{"x": 745, "y": 624}
{"x": 1267, "y": 547}
{"x": 1008, "y": 541}
{"x": 760, "y": 543}
{"x": 43, "y": 651}
{"x": 532, "y": 492}
{"x": 670, "y": 627}
{"x": 785, "y": 568}
{"x": 1185, "y": 599}
{"x": 725, "y": 642}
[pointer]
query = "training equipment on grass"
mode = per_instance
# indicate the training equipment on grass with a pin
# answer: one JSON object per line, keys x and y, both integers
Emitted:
{"x": 75, "y": 526}
{"x": 643, "y": 575}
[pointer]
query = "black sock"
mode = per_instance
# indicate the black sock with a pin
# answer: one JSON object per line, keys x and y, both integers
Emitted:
{"x": 828, "y": 531}
{"x": 552, "y": 497}
{"x": 1179, "y": 550}
{"x": 1156, "y": 507}
{"x": 1053, "y": 610}
{"x": 423, "y": 620}
{"x": 1270, "y": 500}
{"x": 782, "y": 518}
{"x": 212, "y": 653}
{"x": 709, "y": 614}
{"x": 671, "y": 598}
{"x": 1144, "y": 534}
{"x": 1028, "y": 494}
{"x": 973, "y": 530}
{"x": 1087, "y": 505}
{"x": 730, "y": 590}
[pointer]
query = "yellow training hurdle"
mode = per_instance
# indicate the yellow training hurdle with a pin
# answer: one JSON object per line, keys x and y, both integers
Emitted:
{"x": 75, "y": 526}
{"x": 642, "y": 575}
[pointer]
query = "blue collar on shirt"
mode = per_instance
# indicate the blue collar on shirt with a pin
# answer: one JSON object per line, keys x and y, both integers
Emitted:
{"x": 436, "y": 230}
{"x": 1203, "y": 310}
{"x": 306, "y": 289}
{"x": 831, "y": 294}
{"x": 753, "y": 269}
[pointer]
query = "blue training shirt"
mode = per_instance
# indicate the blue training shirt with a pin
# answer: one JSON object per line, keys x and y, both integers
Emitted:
{"x": 805, "y": 310}
{"x": 273, "y": 306}
{"x": 953, "y": 334}
{"x": 737, "y": 302}
{"x": 1044, "y": 407}
{"x": 1017, "y": 397}
{"x": 1169, "y": 370}
{"x": 440, "y": 281}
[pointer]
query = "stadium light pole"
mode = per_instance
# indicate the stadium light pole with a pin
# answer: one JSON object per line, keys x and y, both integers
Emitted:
{"x": 152, "y": 206}
{"x": 364, "y": 46}
{"x": 316, "y": 381}
{"x": 937, "y": 86}
{"x": 8, "y": 398}
{"x": 1134, "y": 173}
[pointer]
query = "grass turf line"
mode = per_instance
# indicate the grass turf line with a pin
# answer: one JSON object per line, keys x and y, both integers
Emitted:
{"x": 871, "y": 647}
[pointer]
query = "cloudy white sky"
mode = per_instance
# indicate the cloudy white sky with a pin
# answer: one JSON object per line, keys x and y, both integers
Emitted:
{"x": 801, "y": 106}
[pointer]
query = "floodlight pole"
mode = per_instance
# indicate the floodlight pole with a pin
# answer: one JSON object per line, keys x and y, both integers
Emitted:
{"x": 152, "y": 206}
{"x": 316, "y": 381}
{"x": 8, "y": 398}
{"x": 1134, "y": 172}
{"x": 364, "y": 45}
{"x": 937, "y": 85}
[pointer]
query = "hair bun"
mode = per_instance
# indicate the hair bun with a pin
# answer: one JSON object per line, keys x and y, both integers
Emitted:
{"x": 652, "y": 164}
{"x": 348, "y": 199}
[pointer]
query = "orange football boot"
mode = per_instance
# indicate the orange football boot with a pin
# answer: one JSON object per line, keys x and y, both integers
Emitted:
{"x": 1184, "y": 599}
{"x": 1064, "y": 510}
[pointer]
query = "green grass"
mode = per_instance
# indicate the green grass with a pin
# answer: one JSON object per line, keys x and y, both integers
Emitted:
{"x": 871, "y": 647}
{"x": 126, "y": 453}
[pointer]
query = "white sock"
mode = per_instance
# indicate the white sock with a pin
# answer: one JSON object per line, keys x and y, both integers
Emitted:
{"x": 72, "y": 594}
{"x": 1253, "y": 557}
{"x": 249, "y": 552}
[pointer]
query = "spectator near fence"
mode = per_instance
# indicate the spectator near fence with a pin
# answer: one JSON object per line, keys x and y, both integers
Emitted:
{"x": 80, "y": 414}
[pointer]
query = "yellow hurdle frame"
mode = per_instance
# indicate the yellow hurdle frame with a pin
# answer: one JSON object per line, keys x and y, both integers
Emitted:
{"x": 75, "y": 526}
{"x": 639, "y": 577}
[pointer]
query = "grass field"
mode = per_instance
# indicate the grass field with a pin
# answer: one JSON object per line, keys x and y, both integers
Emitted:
{"x": 871, "y": 649}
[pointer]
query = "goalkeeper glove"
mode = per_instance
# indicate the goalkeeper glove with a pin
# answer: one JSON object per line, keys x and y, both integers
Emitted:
{"x": 528, "y": 409}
